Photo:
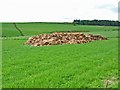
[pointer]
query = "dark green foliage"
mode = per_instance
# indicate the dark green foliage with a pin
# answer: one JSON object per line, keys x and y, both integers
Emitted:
{"x": 97, "y": 22}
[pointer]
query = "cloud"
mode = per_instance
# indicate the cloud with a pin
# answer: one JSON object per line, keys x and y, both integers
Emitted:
{"x": 57, "y": 10}
{"x": 109, "y": 7}
{"x": 114, "y": 9}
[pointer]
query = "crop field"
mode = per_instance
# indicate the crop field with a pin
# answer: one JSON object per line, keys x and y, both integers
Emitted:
{"x": 89, "y": 65}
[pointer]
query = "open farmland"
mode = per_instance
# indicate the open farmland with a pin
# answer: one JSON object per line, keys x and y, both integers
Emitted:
{"x": 59, "y": 66}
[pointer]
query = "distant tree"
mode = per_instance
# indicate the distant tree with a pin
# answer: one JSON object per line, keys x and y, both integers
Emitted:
{"x": 76, "y": 22}
{"x": 97, "y": 22}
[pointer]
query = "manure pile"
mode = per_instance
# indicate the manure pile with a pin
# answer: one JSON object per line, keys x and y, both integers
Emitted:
{"x": 57, "y": 38}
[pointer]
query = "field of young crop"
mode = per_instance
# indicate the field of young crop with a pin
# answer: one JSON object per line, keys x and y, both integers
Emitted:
{"x": 89, "y": 65}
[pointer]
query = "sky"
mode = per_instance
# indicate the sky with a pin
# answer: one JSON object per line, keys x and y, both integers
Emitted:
{"x": 57, "y": 10}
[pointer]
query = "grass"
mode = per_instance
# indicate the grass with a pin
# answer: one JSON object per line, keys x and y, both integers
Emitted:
{"x": 59, "y": 66}
{"x": 33, "y": 28}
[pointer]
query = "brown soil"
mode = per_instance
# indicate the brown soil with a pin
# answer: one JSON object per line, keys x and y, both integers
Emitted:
{"x": 57, "y": 38}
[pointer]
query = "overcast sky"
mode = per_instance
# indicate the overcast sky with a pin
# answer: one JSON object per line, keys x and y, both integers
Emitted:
{"x": 57, "y": 10}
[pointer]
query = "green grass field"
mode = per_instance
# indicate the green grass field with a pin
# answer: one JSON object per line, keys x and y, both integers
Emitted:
{"x": 60, "y": 66}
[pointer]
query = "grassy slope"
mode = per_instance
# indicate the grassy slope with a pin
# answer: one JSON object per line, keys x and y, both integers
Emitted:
{"x": 33, "y": 29}
{"x": 83, "y": 65}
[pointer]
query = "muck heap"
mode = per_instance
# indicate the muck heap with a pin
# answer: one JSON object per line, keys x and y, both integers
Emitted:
{"x": 58, "y": 38}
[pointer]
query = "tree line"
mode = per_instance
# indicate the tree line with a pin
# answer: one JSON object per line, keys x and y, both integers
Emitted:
{"x": 97, "y": 22}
